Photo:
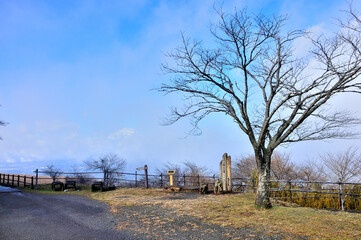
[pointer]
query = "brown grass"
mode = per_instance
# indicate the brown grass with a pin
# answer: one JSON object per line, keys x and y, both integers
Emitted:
{"x": 237, "y": 210}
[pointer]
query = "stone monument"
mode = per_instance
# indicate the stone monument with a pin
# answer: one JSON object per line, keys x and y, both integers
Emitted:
{"x": 225, "y": 173}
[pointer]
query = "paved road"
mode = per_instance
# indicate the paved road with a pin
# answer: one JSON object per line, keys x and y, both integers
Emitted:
{"x": 40, "y": 216}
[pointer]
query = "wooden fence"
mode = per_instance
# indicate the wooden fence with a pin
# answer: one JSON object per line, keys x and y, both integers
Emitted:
{"x": 316, "y": 194}
{"x": 13, "y": 180}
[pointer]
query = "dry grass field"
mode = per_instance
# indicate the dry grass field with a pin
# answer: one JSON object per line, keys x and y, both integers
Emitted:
{"x": 238, "y": 211}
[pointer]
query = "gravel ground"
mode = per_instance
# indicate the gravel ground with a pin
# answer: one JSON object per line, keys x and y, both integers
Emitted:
{"x": 157, "y": 222}
{"x": 65, "y": 216}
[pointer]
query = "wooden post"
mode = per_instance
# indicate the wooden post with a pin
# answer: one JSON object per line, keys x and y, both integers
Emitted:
{"x": 12, "y": 180}
{"x": 18, "y": 180}
{"x": 161, "y": 180}
{"x": 253, "y": 185}
{"x": 24, "y": 181}
{"x": 36, "y": 178}
{"x": 8, "y": 179}
{"x": 105, "y": 178}
{"x": 136, "y": 179}
{"x": 290, "y": 188}
{"x": 199, "y": 183}
{"x": 32, "y": 182}
{"x": 0, "y": 178}
{"x": 146, "y": 175}
{"x": 184, "y": 179}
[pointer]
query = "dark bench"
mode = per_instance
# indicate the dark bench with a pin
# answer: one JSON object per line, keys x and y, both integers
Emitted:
{"x": 70, "y": 184}
{"x": 97, "y": 186}
{"x": 59, "y": 184}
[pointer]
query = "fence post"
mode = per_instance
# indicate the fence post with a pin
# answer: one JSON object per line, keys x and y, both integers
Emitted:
{"x": 199, "y": 183}
{"x": 24, "y": 181}
{"x": 36, "y": 178}
{"x": 161, "y": 180}
{"x": 136, "y": 179}
{"x": 12, "y": 180}
{"x": 340, "y": 194}
{"x": 184, "y": 179}
{"x": 18, "y": 180}
{"x": 105, "y": 178}
{"x": 146, "y": 176}
{"x": 253, "y": 185}
{"x": 0, "y": 178}
{"x": 32, "y": 182}
{"x": 290, "y": 188}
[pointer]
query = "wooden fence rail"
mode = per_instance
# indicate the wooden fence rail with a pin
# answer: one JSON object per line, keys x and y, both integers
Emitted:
{"x": 14, "y": 180}
{"x": 341, "y": 195}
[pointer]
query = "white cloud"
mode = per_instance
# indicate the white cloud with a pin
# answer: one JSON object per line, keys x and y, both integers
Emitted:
{"x": 25, "y": 160}
{"x": 10, "y": 160}
{"x": 121, "y": 134}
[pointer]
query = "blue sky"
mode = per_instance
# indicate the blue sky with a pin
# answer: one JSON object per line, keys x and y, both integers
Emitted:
{"x": 76, "y": 80}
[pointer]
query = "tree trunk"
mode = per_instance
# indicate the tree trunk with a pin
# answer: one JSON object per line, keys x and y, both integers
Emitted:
{"x": 264, "y": 173}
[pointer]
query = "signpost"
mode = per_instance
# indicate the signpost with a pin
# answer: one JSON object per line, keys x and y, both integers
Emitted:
{"x": 145, "y": 168}
{"x": 171, "y": 173}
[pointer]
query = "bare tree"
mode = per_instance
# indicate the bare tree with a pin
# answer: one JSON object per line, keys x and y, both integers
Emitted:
{"x": 53, "y": 172}
{"x": 281, "y": 167}
{"x": 344, "y": 166}
{"x": 82, "y": 178}
{"x": 311, "y": 171}
{"x": 195, "y": 173}
{"x": 110, "y": 164}
{"x": 244, "y": 166}
{"x": 251, "y": 75}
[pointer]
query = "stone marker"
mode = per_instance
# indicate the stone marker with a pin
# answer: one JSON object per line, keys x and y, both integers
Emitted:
{"x": 218, "y": 187}
{"x": 203, "y": 188}
{"x": 225, "y": 173}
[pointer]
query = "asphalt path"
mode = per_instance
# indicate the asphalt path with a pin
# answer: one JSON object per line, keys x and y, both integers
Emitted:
{"x": 57, "y": 216}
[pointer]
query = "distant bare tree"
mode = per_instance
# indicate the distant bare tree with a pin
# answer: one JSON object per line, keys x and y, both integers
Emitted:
{"x": 311, "y": 171}
{"x": 251, "y": 74}
{"x": 53, "y": 172}
{"x": 193, "y": 171}
{"x": 244, "y": 166}
{"x": 110, "y": 164}
{"x": 345, "y": 166}
{"x": 281, "y": 167}
{"x": 82, "y": 178}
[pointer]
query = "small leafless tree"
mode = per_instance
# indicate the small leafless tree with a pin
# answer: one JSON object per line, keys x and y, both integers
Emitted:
{"x": 195, "y": 173}
{"x": 244, "y": 167}
{"x": 281, "y": 167}
{"x": 82, "y": 178}
{"x": 110, "y": 164}
{"x": 251, "y": 74}
{"x": 311, "y": 171}
{"x": 344, "y": 166}
{"x": 53, "y": 172}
